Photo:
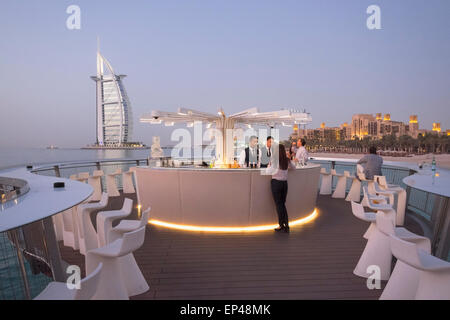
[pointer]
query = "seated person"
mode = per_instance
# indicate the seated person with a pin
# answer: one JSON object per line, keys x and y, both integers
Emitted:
{"x": 372, "y": 163}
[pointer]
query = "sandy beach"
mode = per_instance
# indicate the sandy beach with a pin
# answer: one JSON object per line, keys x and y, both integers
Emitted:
{"x": 442, "y": 160}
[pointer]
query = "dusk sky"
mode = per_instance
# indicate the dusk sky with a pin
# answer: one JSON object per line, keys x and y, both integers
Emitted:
{"x": 207, "y": 54}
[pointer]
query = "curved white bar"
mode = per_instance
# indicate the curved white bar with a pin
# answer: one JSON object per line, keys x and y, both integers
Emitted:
{"x": 222, "y": 197}
{"x": 42, "y": 200}
{"x": 424, "y": 181}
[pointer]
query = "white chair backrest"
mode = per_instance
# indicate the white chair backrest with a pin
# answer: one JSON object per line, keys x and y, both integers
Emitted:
{"x": 405, "y": 251}
{"x": 377, "y": 187}
{"x": 104, "y": 200}
{"x": 346, "y": 173}
{"x": 366, "y": 192}
{"x": 333, "y": 171}
{"x": 67, "y": 220}
{"x": 98, "y": 173}
{"x": 323, "y": 170}
{"x": 83, "y": 175}
{"x": 89, "y": 284}
{"x": 132, "y": 241}
{"x": 118, "y": 171}
{"x": 385, "y": 224}
{"x": 73, "y": 177}
{"x": 145, "y": 216}
{"x": 357, "y": 209}
{"x": 381, "y": 181}
{"x": 127, "y": 205}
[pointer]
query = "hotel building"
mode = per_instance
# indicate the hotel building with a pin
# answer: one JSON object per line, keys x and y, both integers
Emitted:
{"x": 114, "y": 117}
{"x": 367, "y": 125}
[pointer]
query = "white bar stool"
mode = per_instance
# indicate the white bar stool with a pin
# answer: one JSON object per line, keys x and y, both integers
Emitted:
{"x": 96, "y": 182}
{"x": 111, "y": 185}
{"x": 378, "y": 248}
{"x": 404, "y": 281}
{"x": 128, "y": 225}
{"x": 70, "y": 229}
{"x": 370, "y": 187}
{"x": 83, "y": 176}
{"x": 384, "y": 192}
{"x": 115, "y": 276}
{"x": 401, "y": 197}
{"x": 87, "y": 234}
{"x": 136, "y": 284}
{"x": 127, "y": 182}
{"x": 341, "y": 184}
{"x": 325, "y": 186}
{"x": 106, "y": 218}
{"x": 358, "y": 211}
{"x": 434, "y": 279}
{"x": 58, "y": 221}
{"x": 98, "y": 173}
{"x": 354, "y": 193}
{"x": 378, "y": 203}
{"x": 59, "y": 226}
{"x": 60, "y": 291}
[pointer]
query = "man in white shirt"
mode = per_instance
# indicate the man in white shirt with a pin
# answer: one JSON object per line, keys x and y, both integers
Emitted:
{"x": 302, "y": 154}
{"x": 251, "y": 154}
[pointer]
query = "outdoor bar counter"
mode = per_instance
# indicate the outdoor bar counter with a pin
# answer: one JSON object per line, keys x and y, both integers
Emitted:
{"x": 232, "y": 199}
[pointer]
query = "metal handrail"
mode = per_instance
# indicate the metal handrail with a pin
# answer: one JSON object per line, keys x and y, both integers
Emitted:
{"x": 86, "y": 163}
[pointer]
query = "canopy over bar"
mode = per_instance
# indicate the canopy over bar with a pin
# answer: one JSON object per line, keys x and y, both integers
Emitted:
{"x": 249, "y": 117}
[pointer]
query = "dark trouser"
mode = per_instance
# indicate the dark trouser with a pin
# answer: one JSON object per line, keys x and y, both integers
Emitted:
{"x": 279, "y": 192}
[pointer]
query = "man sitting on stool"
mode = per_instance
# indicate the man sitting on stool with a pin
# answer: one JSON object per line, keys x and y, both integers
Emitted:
{"x": 372, "y": 163}
{"x": 250, "y": 155}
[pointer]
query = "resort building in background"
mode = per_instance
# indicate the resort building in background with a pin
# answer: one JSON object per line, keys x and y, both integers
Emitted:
{"x": 367, "y": 125}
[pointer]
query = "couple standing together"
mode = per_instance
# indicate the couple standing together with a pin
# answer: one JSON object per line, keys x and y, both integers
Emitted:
{"x": 277, "y": 164}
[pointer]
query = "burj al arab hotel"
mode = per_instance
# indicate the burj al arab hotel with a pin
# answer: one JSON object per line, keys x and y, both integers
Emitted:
{"x": 114, "y": 116}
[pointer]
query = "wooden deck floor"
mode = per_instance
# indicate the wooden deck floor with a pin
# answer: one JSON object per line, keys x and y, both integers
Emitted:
{"x": 314, "y": 261}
